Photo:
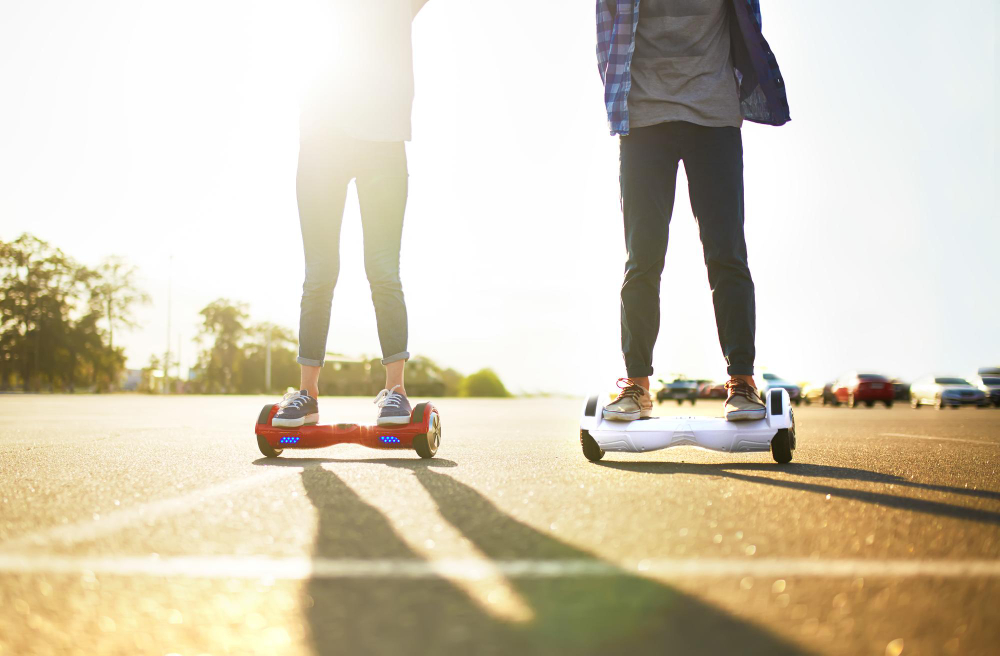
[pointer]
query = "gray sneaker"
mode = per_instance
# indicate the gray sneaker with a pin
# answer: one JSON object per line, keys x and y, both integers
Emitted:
{"x": 744, "y": 402}
{"x": 393, "y": 408}
{"x": 296, "y": 409}
{"x": 633, "y": 402}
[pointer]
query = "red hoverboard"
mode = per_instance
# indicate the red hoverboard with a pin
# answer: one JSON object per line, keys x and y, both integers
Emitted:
{"x": 422, "y": 434}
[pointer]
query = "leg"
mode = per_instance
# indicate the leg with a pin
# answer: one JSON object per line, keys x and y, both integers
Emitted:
{"x": 309, "y": 380}
{"x": 321, "y": 189}
{"x": 394, "y": 376}
{"x": 648, "y": 180}
{"x": 714, "y": 166}
{"x": 382, "y": 189}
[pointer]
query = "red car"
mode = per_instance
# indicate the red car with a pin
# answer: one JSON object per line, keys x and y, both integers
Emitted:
{"x": 854, "y": 388}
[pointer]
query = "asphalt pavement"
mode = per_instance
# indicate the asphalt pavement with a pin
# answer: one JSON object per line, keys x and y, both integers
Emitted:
{"x": 152, "y": 525}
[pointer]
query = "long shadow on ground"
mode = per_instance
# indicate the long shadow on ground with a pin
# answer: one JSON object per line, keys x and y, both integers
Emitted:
{"x": 733, "y": 471}
{"x": 617, "y": 614}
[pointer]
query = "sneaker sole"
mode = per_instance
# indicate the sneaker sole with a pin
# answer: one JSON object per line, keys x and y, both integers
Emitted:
{"x": 393, "y": 421}
{"x": 621, "y": 416}
{"x": 746, "y": 415}
{"x": 308, "y": 420}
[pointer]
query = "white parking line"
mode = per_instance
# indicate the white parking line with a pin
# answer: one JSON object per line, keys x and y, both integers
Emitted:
{"x": 92, "y": 529}
{"x": 419, "y": 524}
{"x": 475, "y": 569}
{"x": 934, "y": 437}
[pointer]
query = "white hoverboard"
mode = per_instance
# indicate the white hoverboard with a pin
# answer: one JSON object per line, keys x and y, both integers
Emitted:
{"x": 774, "y": 433}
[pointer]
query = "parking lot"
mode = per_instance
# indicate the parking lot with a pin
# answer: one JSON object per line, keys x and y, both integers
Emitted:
{"x": 135, "y": 524}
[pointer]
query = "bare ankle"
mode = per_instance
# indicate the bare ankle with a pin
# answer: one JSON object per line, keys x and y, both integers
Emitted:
{"x": 641, "y": 382}
{"x": 309, "y": 380}
{"x": 746, "y": 379}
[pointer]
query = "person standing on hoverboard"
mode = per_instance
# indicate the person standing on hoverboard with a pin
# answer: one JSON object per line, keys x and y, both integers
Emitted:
{"x": 353, "y": 125}
{"x": 679, "y": 78}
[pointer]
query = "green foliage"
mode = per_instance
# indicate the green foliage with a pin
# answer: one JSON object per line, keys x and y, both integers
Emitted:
{"x": 483, "y": 383}
{"x": 284, "y": 368}
{"x": 58, "y": 319}
{"x": 234, "y": 359}
{"x": 50, "y": 314}
{"x": 452, "y": 382}
{"x": 344, "y": 376}
{"x": 116, "y": 292}
{"x": 221, "y": 363}
{"x": 425, "y": 378}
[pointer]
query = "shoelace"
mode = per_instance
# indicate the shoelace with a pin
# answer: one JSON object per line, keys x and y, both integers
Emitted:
{"x": 629, "y": 389}
{"x": 737, "y": 386}
{"x": 388, "y": 397}
{"x": 294, "y": 400}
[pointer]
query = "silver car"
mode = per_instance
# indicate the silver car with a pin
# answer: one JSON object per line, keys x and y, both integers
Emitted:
{"x": 942, "y": 391}
{"x": 989, "y": 383}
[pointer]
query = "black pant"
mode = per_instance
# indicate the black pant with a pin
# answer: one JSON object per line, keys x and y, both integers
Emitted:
{"x": 713, "y": 161}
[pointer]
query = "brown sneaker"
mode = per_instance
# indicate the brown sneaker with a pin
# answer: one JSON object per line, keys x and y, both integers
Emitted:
{"x": 633, "y": 402}
{"x": 744, "y": 402}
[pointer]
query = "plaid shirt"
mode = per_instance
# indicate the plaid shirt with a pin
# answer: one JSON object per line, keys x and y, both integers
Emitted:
{"x": 762, "y": 89}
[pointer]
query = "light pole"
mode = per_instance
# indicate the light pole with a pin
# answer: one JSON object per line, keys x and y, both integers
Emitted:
{"x": 166, "y": 359}
{"x": 267, "y": 363}
{"x": 179, "y": 358}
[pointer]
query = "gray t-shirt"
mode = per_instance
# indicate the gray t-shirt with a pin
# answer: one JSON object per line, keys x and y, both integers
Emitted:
{"x": 682, "y": 69}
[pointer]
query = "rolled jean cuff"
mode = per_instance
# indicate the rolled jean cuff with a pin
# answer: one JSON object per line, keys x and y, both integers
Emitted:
{"x": 740, "y": 370}
{"x": 309, "y": 363}
{"x": 639, "y": 372}
{"x": 405, "y": 355}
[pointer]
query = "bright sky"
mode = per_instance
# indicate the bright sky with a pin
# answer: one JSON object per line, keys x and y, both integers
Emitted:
{"x": 169, "y": 129}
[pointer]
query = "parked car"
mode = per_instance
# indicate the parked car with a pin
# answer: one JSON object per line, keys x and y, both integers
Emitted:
{"x": 989, "y": 384}
{"x": 712, "y": 390}
{"x": 901, "y": 389}
{"x": 679, "y": 389}
{"x": 853, "y": 388}
{"x": 772, "y": 381}
{"x": 943, "y": 391}
{"x": 816, "y": 393}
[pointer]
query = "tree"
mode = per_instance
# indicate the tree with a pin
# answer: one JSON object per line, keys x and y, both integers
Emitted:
{"x": 92, "y": 360}
{"x": 423, "y": 378}
{"x": 221, "y": 363}
{"x": 483, "y": 383}
{"x": 40, "y": 308}
{"x": 284, "y": 368}
{"x": 115, "y": 291}
{"x": 452, "y": 382}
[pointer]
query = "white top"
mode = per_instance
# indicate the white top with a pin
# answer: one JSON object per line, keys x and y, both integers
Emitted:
{"x": 361, "y": 68}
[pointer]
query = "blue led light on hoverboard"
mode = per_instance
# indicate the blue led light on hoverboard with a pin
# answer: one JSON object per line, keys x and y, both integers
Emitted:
{"x": 289, "y": 440}
{"x": 389, "y": 439}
